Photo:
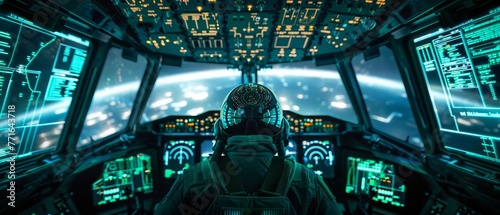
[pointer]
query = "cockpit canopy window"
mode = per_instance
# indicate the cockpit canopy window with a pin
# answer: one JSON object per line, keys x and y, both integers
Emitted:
{"x": 309, "y": 90}
{"x": 39, "y": 71}
{"x": 114, "y": 97}
{"x": 385, "y": 97}
{"x": 191, "y": 89}
{"x": 195, "y": 88}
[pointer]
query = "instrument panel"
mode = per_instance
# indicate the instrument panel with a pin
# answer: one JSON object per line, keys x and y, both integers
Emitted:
{"x": 253, "y": 32}
{"x": 180, "y": 152}
{"x": 187, "y": 140}
{"x": 203, "y": 124}
{"x": 122, "y": 179}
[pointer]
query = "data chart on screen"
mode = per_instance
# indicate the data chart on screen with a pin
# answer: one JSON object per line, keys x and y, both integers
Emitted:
{"x": 122, "y": 179}
{"x": 375, "y": 179}
{"x": 461, "y": 66}
{"x": 39, "y": 72}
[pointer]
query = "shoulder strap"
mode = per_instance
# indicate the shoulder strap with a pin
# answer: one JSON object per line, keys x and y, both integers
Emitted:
{"x": 233, "y": 182}
{"x": 279, "y": 181}
{"x": 205, "y": 169}
{"x": 289, "y": 172}
{"x": 273, "y": 175}
{"x": 304, "y": 174}
{"x": 216, "y": 176}
{"x": 193, "y": 175}
{"x": 209, "y": 170}
{"x": 196, "y": 173}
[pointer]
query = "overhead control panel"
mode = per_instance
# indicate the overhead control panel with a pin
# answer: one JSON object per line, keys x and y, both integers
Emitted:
{"x": 255, "y": 32}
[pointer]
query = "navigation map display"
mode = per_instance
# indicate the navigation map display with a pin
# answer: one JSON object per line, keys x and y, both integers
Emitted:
{"x": 39, "y": 72}
{"x": 462, "y": 68}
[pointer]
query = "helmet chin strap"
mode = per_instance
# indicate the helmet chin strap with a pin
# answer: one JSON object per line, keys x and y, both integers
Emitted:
{"x": 219, "y": 146}
{"x": 220, "y": 141}
{"x": 282, "y": 138}
{"x": 280, "y": 145}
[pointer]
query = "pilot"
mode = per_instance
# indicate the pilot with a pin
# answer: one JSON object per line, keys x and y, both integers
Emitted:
{"x": 244, "y": 175}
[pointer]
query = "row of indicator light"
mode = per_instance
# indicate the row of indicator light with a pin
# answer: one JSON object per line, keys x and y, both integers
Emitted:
{"x": 385, "y": 192}
{"x": 111, "y": 191}
{"x": 260, "y": 4}
{"x": 368, "y": 169}
{"x": 191, "y": 122}
{"x": 113, "y": 197}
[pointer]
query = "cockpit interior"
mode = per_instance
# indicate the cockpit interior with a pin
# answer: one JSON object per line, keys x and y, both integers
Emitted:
{"x": 394, "y": 103}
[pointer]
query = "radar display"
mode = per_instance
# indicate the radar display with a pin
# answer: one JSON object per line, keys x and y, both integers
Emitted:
{"x": 319, "y": 156}
{"x": 179, "y": 155}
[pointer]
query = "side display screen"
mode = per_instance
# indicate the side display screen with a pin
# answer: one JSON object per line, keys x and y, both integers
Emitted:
{"x": 179, "y": 155}
{"x": 122, "y": 179}
{"x": 39, "y": 72}
{"x": 461, "y": 66}
{"x": 291, "y": 148}
{"x": 319, "y": 156}
{"x": 376, "y": 179}
{"x": 207, "y": 149}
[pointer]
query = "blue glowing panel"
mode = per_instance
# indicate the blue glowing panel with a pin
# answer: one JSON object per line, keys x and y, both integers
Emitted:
{"x": 179, "y": 155}
{"x": 376, "y": 179}
{"x": 461, "y": 67}
{"x": 291, "y": 148}
{"x": 319, "y": 156}
{"x": 207, "y": 149}
{"x": 39, "y": 72}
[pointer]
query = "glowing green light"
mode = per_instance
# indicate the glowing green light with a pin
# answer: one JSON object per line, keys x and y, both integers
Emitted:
{"x": 169, "y": 173}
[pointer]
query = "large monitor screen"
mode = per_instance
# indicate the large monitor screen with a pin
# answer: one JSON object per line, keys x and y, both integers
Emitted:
{"x": 179, "y": 155}
{"x": 462, "y": 68}
{"x": 375, "y": 179}
{"x": 122, "y": 179}
{"x": 39, "y": 72}
{"x": 319, "y": 156}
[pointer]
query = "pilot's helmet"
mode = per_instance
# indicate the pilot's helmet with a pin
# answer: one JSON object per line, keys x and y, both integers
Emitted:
{"x": 251, "y": 109}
